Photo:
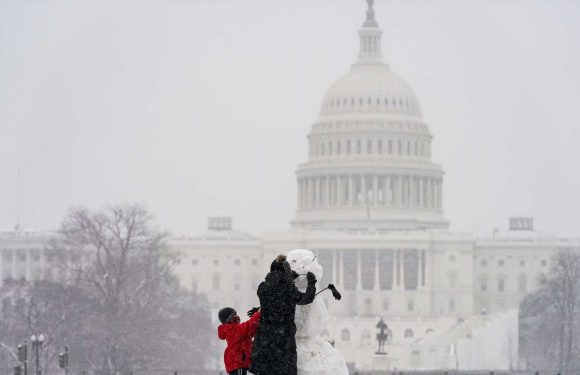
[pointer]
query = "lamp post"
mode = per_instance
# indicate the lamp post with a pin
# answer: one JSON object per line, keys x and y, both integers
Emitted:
{"x": 37, "y": 341}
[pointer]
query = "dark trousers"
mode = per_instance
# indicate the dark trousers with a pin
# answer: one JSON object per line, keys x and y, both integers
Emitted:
{"x": 240, "y": 371}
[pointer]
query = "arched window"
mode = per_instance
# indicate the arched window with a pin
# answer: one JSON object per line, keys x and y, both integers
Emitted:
{"x": 358, "y": 146}
{"x": 500, "y": 285}
{"x": 369, "y": 147}
{"x": 400, "y": 148}
{"x": 215, "y": 281}
{"x": 360, "y": 101}
{"x": 386, "y": 101}
{"x": 329, "y": 147}
{"x": 322, "y": 150}
{"x": 345, "y": 335}
{"x": 522, "y": 283}
{"x": 348, "y": 147}
{"x": 386, "y": 304}
{"x": 380, "y": 146}
{"x": 390, "y": 147}
{"x": 408, "y": 333}
{"x": 338, "y": 147}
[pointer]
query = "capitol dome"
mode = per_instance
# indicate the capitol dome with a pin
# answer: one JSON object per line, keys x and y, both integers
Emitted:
{"x": 369, "y": 164}
{"x": 371, "y": 88}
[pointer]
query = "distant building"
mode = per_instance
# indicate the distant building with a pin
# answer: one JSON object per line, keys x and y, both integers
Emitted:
{"x": 370, "y": 206}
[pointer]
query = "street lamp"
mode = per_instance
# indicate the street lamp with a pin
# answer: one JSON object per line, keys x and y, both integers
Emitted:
{"x": 37, "y": 342}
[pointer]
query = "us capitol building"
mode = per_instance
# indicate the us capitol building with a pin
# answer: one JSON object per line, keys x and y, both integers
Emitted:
{"x": 370, "y": 206}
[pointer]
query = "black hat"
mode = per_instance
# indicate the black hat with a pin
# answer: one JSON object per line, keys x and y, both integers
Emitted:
{"x": 281, "y": 265}
{"x": 226, "y": 314}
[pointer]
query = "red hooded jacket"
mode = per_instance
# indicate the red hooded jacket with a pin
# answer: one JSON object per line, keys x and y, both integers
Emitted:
{"x": 239, "y": 339}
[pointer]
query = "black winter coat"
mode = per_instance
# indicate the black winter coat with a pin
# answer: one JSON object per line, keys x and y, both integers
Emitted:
{"x": 274, "y": 349}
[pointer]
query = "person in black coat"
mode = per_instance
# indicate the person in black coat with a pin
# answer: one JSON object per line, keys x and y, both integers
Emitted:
{"x": 274, "y": 349}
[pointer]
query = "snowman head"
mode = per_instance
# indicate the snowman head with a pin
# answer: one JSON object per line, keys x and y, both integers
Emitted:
{"x": 303, "y": 261}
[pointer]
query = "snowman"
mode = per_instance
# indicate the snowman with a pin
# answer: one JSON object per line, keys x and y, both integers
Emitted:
{"x": 315, "y": 355}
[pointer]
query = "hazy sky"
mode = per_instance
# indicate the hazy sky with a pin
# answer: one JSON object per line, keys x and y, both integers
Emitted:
{"x": 201, "y": 108}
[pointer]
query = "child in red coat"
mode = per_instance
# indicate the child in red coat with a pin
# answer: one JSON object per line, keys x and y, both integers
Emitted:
{"x": 239, "y": 339}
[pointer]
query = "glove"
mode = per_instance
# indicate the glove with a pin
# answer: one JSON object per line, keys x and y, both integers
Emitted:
{"x": 252, "y": 311}
{"x": 311, "y": 278}
{"x": 335, "y": 292}
{"x": 294, "y": 275}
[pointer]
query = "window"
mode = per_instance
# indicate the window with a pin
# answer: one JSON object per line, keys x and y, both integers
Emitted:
{"x": 410, "y": 305}
{"x": 400, "y": 148}
{"x": 360, "y": 101}
{"x": 345, "y": 335}
{"x": 237, "y": 262}
{"x": 429, "y": 330}
{"x": 216, "y": 262}
{"x": 452, "y": 258}
{"x": 254, "y": 262}
{"x": 369, "y": 101}
{"x": 194, "y": 262}
{"x": 322, "y": 151}
{"x": 452, "y": 305}
{"x": 338, "y": 147}
{"x": 390, "y": 146}
{"x": 368, "y": 306}
{"x": 408, "y": 333}
{"x": 483, "y": 284}
{"x": 369, "y": 147}
{"x": 483, "y": 263}
{"x": 501, "y": 262}
{"x": 348, "y": 147}
{"x": 329, "y": 147}
{"x": 386, "y": 304}
{"x": 358, "y": 146}
{"x": 500, "y": 285}
{"x": 522, "y": 263}
{"x": 380, "y": 146}
{"x": 452, "y": 278}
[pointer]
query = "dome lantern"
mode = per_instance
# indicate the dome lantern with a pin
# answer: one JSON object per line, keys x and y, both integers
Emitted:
{"x": 370, "y": 38}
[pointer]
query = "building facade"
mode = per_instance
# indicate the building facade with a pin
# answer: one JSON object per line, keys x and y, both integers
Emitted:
{"x": 369, "y": 204}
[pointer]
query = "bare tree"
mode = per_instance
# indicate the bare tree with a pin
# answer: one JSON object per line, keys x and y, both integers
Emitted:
{"x": 122, "y": 263}
{"x": 550, "y": 315}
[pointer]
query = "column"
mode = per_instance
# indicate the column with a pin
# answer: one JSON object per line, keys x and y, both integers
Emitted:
{"x": 334, "y": 267}
{"x": 363, "y": 190}
{"x": 398, "y": 191}
{"x": 387, "y": 193}
{"x": 412, "y": 202}
{"x": 339, "y": 192}
{"x": 376, "y": 190}
{"x": 358, "y": 271}
{"x": 328, "y": 195}
{"x": 439, "y": 194}
{"x": 351, "y": 192}
{"x": 377, "y": 282}
{"x": 421, "y": 192}
{"x": 428, "y": 193}
{"x": 299, "y": 195}
{"x": 28, "y": 264}
{"x": 402, "y": 260}
{"x": 419, "y": 265}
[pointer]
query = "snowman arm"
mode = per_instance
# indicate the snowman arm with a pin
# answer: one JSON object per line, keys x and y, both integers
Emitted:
{"x": 306, "y": 297}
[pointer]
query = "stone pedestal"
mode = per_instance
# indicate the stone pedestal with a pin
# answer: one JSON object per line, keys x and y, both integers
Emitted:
{"x": 381, "y": 362}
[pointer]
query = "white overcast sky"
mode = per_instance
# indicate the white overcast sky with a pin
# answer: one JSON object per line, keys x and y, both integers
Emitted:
{"x": 201, "y": 108}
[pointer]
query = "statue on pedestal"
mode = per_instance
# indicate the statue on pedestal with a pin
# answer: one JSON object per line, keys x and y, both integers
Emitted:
{"x": 382, "y": 336}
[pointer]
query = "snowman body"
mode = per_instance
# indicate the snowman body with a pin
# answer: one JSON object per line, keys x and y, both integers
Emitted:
{"x": 315, "y": 355}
